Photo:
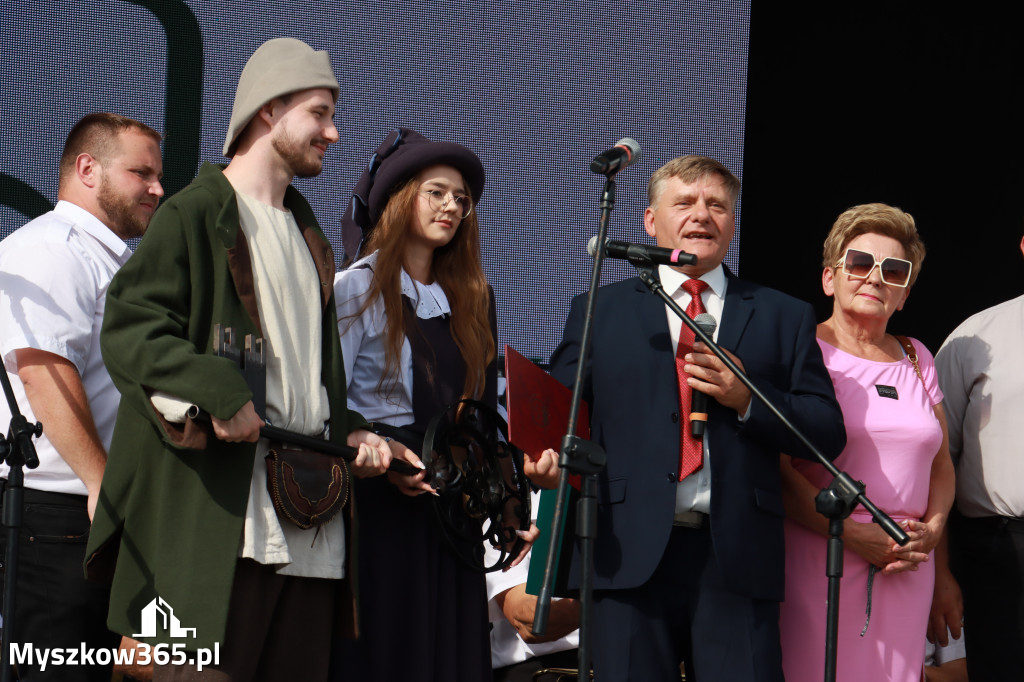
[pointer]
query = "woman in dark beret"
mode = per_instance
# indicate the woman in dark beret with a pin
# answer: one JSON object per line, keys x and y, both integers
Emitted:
{"x": 418, "y": 332}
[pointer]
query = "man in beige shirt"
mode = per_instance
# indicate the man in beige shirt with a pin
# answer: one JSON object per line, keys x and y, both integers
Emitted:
{"x": 184, "y": 507}
{"x": 981, "y": 372}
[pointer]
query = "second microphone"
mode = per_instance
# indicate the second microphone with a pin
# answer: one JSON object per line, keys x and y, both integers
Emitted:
{"x": 641, "y": 253}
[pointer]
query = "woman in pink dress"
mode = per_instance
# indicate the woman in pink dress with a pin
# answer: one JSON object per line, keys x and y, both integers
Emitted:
{"x": 896, "y": 444}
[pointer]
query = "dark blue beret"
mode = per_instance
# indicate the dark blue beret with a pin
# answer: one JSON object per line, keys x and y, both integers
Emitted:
{"x": 403, "y": 154}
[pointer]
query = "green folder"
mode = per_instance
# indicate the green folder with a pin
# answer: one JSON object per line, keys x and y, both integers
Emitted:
{"x": 539, "y": 553}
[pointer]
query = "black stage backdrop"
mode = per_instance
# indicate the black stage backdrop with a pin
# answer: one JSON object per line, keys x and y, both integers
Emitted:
{"x": 912, "y": 104}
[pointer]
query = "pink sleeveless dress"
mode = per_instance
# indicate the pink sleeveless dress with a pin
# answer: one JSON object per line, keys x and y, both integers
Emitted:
{"x": 892, "y": 438}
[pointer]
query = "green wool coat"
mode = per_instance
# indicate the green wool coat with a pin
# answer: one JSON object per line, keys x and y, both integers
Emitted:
{"x": 172, "y": 504}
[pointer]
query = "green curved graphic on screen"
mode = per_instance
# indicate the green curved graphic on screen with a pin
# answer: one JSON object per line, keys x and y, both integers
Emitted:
{"x": 183, "y": 96}
{"x": 22, "y": 196}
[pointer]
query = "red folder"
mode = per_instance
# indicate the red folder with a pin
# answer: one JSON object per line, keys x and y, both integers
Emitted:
{"x": 538, "y": 407}
{"x": 538, "y": 417}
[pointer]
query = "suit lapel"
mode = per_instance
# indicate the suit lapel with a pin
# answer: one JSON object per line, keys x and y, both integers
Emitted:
{"x": 739, "y": 307}
{"x": 652, "y": 318}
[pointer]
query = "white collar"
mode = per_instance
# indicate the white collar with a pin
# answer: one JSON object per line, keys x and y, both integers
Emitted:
{"x": 91, "y": 225}
{"x": 672, "y": 279}
{"x": 429, "y": 299}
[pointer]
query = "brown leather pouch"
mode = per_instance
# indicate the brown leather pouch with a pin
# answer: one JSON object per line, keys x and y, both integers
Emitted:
{"x": 308, "y": 488}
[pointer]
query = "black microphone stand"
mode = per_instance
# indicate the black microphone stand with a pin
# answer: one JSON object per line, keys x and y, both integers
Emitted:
{"x": 586, "y": 459}
{"x": 19, "y": 452}
{"x": 835, "y": 502}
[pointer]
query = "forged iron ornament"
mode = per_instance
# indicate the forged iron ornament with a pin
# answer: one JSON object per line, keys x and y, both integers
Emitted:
{"x": 483, "y": 494}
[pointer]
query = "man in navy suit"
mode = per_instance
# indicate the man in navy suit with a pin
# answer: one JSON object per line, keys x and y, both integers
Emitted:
{"x": 689, "y": 566}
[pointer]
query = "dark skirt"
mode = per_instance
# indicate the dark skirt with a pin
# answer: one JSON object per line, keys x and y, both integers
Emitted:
{"x": 423, "y": 614}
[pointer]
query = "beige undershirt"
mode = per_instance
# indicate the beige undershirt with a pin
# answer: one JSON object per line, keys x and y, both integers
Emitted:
{"x": 288, "y": 300}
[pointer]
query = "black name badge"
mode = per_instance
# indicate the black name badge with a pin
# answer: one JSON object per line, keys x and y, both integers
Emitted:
{"x": 887, "y": 391}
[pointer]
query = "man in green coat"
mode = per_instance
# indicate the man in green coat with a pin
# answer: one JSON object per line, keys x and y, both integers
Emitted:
{"x": 185, "y": 527}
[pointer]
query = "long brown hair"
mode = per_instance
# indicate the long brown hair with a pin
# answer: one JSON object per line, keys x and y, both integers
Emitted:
{"x": 456, "y": 267}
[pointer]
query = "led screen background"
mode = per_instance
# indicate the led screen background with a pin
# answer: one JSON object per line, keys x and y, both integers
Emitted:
{"x": 535, "y": 89}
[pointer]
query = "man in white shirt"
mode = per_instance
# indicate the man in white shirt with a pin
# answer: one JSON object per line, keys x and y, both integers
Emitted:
{"x": 516, "y": 653}
{"x": 981, "y": 373}
{"x": 54, "y": 274}
{"x": 946, "y": 663}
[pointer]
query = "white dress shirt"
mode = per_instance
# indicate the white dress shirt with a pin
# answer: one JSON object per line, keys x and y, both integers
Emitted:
{"x": 54, "y": 274}
{"x": 981, "y": 373}
{"x": 507, "y": 647}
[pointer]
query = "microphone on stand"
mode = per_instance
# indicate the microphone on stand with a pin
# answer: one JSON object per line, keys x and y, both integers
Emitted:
{"x": 656, "y": 255}
{"x": 609, "y": 162}
{"x": 698, "y": 400}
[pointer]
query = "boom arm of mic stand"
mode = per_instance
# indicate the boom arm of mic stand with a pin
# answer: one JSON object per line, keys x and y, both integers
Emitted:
{"x": 880, "y": 517}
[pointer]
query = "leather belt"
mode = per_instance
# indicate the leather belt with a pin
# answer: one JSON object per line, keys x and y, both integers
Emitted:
{"x": 33, "y": 496}
{"x": 690, "y": 519}
{"x": 997, "y": 522}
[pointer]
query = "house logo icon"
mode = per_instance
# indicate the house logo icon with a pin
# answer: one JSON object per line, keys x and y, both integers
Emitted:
{"x": 158, "y": 615}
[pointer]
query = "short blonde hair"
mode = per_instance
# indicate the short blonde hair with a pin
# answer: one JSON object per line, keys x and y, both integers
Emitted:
{"x": 875, "y": 219}
{"x": 691, "y": 169}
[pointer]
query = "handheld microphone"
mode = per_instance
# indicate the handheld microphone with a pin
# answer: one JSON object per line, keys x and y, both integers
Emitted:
{"x": 698, "y": 400}
{"x": 609, "y": 162}
{"x": 657, "y": 255}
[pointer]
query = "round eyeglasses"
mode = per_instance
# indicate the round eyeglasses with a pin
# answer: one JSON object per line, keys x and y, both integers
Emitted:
{"x": 438, "y": 201}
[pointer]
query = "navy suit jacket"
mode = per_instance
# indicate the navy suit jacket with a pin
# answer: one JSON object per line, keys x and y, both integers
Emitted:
{"x": 632, "y": 389}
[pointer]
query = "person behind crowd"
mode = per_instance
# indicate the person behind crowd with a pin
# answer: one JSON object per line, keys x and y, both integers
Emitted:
{"x": 417, "y": 323}
{"x": 946, "y": 662}
{"x": 54, "y": 273}
{"x": 184, "y": 509}
{"x": 981, "y": 373}
{"x": 896, "y": 444}
{"x": 688, "y": 560}
{"x": 517, "y": 653}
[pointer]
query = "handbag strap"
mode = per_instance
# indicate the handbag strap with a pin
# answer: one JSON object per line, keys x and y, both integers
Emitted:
{"x": 908, "y": 348}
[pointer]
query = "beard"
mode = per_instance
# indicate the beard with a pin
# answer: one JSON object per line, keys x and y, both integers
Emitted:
{"x": 121, "y": 210}
{"x": 297, "y": 155}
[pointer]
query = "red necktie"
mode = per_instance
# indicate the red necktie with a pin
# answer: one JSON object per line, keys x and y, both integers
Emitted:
{"x": 691, "y": 450}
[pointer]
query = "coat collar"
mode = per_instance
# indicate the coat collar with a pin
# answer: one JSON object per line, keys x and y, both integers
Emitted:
{"x": 229, "y": 231}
